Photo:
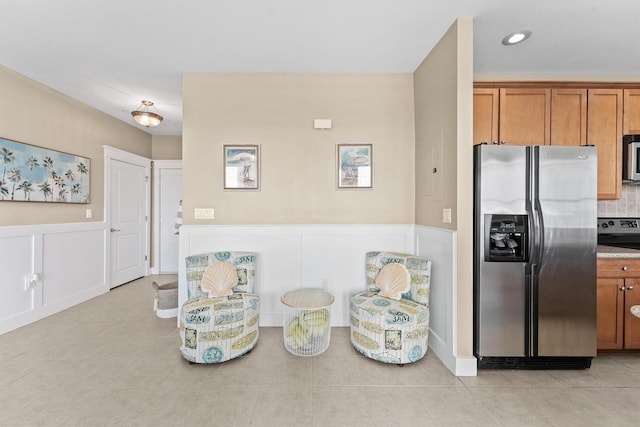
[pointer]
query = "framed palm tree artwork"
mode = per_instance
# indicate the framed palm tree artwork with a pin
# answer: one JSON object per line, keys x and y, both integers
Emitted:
{"x": 241, "y": 167}
{"x": 36, "y": 174}
{"x": 355, "y": 166}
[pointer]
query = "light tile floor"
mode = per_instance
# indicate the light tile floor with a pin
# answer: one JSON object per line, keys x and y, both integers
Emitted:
{"x": 111, "y": 362}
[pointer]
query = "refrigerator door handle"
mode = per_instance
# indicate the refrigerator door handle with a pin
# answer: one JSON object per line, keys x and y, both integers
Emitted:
{"x": 532, "y": 310}
{"x": 539, "y": 230}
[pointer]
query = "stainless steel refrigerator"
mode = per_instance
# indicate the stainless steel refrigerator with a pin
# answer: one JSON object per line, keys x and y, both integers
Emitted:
{"x": 535, "y": 217}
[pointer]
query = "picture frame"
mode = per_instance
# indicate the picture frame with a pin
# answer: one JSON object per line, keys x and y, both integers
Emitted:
{"x": 354, "y": 166}
{"x": 241, "y": 166}
{"x": 36, "y": 174}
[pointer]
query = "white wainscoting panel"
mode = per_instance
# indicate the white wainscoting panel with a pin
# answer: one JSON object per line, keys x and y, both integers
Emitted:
{"x": 439, "y": 245}
{"x": 295, "y": 256}
{"x": 68, "y": 261}
{"x": 77, "y": 269}
{"x": 17, "y": 260}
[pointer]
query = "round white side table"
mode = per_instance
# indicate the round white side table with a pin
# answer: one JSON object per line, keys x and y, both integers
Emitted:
{"x": 307, "y": 321}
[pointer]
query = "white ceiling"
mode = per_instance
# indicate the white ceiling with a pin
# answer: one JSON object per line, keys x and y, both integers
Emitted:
{"x": 111, "y": 54}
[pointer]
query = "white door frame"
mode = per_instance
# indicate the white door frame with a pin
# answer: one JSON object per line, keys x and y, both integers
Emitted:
{"x": 111, "y": 153}
{"x": 158, "y": 165}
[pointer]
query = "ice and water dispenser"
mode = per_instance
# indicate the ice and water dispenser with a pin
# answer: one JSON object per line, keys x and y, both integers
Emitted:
{"x": 505, "y": 238}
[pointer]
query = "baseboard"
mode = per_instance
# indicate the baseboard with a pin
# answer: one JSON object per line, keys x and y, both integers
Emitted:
{"x": 466, "y": 366}
{"x": 25, "y": 318}
{"x": 460, "y": 366}
{"x": 167, "y": 313}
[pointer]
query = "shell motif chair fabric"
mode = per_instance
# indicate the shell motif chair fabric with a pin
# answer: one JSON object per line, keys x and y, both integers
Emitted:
{"x": 392, "y": 325}
{"x": 219, "y": 321}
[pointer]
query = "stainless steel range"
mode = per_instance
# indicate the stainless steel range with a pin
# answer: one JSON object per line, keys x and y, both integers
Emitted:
{"x": 619, "y": 232}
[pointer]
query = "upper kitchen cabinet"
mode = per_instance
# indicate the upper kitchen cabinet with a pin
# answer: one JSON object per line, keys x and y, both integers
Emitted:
{"x": 525, "y": 116}
{"x": 631, "y": 121}
{"x": 569, "y": 117}
{"x": 485, "y": 115}
{"x": 604, "y": 130}
{"x": 512, "y": 116}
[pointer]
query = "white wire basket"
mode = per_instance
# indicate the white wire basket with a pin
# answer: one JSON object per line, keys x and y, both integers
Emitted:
{"x": 307, "y": 321}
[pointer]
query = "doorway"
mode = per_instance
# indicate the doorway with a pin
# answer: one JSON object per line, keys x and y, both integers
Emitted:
{"x": 167, "y": 194}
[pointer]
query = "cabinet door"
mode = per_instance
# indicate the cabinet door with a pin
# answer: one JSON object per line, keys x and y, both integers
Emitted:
{"x": 604, "y": 130}
{"x": 610, "y": 301}
{"x": 485, "y": 115}
{"x": 631, "y": 322}
{"x": 631, "y": 121}
{"x": 525, "y": 116}
{"x": 569, "y": 117}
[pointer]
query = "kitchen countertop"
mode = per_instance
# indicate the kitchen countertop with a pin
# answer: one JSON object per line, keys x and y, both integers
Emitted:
{"x": 615, "y": 252}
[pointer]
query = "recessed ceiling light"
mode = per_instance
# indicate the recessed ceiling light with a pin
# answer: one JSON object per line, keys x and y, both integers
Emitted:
{"x": 516, "y": 37}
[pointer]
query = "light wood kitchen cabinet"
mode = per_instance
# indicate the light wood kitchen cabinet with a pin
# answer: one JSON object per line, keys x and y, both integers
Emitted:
{"x": 525, "y": 116}
{"x": 604, "y": 130}
{"x": 511, "y": 116}
{"x": 561, "y": 113}
{"x": 485, "y": 115}
{"x": 618, "y": 290}
{"x": 521, "y": 116}
{"x": 631, "y": 120}
{"x": 569, "y": 117}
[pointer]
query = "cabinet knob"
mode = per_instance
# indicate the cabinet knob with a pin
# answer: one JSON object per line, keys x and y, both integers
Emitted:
{"x": 503, "y": 142}
{"x": 494, "y": 142}
{"x": 629, "y": 288}
{"x": 625, "y": 268}
{"x": 623, "y": 288}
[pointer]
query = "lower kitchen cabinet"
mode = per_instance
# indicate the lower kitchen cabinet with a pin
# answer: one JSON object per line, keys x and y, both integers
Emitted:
{"x": 618, "y": 290}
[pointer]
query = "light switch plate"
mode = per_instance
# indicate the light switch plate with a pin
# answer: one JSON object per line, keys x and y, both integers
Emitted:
{"x": 203, "y": 213}
{"x": 322, "y": 123}
{"x": 446, "y": 215}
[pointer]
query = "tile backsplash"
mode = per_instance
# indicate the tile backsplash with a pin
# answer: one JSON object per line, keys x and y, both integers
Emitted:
{"x": 627, "y": 206}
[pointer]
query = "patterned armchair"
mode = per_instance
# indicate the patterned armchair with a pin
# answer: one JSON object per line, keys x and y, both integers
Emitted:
{"x": 393, "y": 326}
{"x": 216, "y": 328}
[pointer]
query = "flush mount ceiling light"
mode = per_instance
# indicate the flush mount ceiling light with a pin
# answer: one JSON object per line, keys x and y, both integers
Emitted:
{"x": 145, "y": 117}
{"x": 516, "y": 37}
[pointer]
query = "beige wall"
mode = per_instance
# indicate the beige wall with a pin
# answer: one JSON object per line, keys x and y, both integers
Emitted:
{"x": 436, "y": 105}
{"x": 298, "y": 163}
{"x": 166, "y": 147}
{"x": 444, "y": 159}
{"x": 62, "y": 124}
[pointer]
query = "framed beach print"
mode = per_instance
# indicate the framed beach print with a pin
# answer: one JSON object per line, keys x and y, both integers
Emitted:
{"x": 36, "y": 174}
{"x": 241, "y": 167}
{"x": 355, "y": 166}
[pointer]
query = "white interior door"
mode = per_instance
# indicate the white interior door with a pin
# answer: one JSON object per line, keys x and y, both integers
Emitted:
{"x": 128, "y": 221}
{"x": 169, "y": 196}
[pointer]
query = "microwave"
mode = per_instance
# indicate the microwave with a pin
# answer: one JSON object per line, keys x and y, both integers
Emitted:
{"x": 631, "y": 158}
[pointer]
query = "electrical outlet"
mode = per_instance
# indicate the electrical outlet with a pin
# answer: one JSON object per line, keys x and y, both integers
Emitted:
{"x": 324, "y": 283}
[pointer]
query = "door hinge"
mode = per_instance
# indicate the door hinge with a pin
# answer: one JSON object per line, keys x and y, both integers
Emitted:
{"x": 146, "y": 258}
{"x": 146, "y": 179}
{"x": 146, "y": 218}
